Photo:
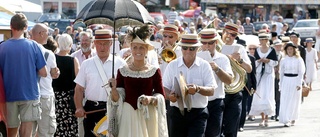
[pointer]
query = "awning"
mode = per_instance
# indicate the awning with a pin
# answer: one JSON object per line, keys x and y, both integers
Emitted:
{"x": 20, "y": 6}
{"x": 264, "y": 2}
{"x": 6, "y": 18}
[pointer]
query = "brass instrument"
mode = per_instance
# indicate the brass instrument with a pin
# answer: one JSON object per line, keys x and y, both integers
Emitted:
{"x": 168, "y": 55}
{"x": 239, "y": 79}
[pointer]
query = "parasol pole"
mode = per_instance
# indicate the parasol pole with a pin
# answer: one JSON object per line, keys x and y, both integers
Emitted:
{"x": 113, "y": 49}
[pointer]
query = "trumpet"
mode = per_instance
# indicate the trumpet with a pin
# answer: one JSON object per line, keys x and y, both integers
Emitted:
{"x": 167, "y": 54}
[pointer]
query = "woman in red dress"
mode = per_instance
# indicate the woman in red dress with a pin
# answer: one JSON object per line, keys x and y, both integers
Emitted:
{"x": 136, "y": 104}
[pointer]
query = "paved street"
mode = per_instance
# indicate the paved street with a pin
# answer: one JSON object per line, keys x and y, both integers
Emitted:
{"x": 307, "y": 126}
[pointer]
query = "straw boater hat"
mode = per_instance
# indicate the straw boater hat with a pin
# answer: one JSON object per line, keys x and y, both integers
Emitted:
{"x": 140, "y": 41}
{"x": 277, "y": 42}
{"x": 170, "y": 28}
{"x": 103, "y": 34}
{"x": 189, "y": 40}
{"x": 232, "y": 27}
{"x": 285, "y": 39}
{"x": 209, "y": 35}
{"x": 309, "y": 40}
{"x": 263, "y": 36}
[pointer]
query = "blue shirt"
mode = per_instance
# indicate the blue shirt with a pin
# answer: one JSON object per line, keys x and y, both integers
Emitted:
{"x": 20, "y": 61}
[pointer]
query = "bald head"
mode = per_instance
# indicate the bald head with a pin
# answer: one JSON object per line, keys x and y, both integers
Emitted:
{"x": 40, "y": 33}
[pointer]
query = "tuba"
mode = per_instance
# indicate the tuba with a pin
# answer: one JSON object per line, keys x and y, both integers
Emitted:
{"x": 239, "y": 79}
{"x": 168, "y": 55}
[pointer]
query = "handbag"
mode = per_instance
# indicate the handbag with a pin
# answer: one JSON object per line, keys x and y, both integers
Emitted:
{"x": 305, "y": 90}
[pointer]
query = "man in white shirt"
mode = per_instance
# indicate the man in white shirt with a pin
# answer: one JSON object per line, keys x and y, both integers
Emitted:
{"x": 90, "y": 83}
{"x": 46, "y": 125}
{"x": 221, "y": 67}
{"x": 232, "y": 112}
{"x": 86, "y": 50}
{"x": 200, "y": 84}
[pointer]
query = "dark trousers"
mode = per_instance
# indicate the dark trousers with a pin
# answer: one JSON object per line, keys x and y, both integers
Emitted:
{"x": 191, "y": 124}
{"x": 168, "y": 108}
{"x": 231, "y": 115}
{"x": 90, "y": 122}
{"x": 245, "y": 96}
{"x": 214, "y": 122}
{"x": 277, "y": 96}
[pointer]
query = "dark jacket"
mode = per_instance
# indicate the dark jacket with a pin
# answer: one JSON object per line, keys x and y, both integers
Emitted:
{"x": 251, "y": 77}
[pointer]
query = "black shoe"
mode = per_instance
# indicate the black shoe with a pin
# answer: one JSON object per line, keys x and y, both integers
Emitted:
{"x": 251, "y": 118}
{"x": 272, "y": 117}
{"x": 277, "y": 119}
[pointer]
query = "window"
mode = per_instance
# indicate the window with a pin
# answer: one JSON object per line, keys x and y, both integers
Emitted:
{"x": 69, "y": 9}
{"x": 50, "y": 7}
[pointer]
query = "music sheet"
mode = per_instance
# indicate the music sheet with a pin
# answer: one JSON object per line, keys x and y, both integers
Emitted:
{"x": 228, "y": 50}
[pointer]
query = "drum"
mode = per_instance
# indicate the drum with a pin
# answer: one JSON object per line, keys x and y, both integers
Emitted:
{"x": 100, "y": 130}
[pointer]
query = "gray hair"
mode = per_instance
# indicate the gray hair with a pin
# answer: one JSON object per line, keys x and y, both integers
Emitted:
{"x": 264, "y": 26}
{"x": 85, "y": 33}
{"x": 65, "y": 42}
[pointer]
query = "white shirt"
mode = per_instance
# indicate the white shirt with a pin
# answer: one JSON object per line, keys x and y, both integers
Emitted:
{"x": 81, "y": 57}
{"x": 199, "y": 73}
{"x": 45, "y": 83}
{"x": 89, "y": 77}
{"x": 152, "y": 58}
{"x": 224, "y": 63}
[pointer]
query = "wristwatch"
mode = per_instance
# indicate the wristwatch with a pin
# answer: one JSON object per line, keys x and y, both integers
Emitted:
{"x": 241, "y": 61}
{"x": 198, "y": 89}
{"x": 216, "y": 71}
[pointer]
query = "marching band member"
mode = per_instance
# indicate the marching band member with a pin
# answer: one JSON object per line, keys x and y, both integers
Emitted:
{"x": 292, "y": 69}
{"x": 232, "y": 112}
{"x": 89, "y": 81}
{"x": 138, "y": 94}
{"x": 221, "y": 67}
{"x": 263, "y": 102}
{"x": 170, "y": 35}
{"x": 200, "y": 84}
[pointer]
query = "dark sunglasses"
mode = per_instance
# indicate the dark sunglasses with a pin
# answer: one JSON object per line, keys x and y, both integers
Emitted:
{"x": 252, "y": 48}
{"x": 190, "y": 48}
{"x": 168, "y": 36}
{"x": 210, "y": 43}
{"x": 232, "y": 34}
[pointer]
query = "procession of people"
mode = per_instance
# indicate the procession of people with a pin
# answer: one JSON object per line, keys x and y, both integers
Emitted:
{"x": 164, "y": 81}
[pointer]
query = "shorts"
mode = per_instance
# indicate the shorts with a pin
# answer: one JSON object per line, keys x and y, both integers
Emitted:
{"x": 22, "y": 111}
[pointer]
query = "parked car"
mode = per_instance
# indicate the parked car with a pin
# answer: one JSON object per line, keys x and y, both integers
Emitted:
{"x": 306, "y": 28}
{"x": 157, "y": 16}
{"x": 51, "y": 16}
{"x": 258, "y": 25}
{"x": 59, "y": 23}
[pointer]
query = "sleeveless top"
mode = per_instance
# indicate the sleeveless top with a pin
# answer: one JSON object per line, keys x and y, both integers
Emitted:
{"x": 65, "y": 80}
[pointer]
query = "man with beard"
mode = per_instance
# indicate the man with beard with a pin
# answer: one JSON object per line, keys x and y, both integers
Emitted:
{"x": 233, "y": 106}
{"x": 84, "y": 53}
{"x": 85, "y": 46}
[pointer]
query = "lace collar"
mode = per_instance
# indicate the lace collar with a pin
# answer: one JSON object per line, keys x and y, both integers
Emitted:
{"x": 127, "y": 72}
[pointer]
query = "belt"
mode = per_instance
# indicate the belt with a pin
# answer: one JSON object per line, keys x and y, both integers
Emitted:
{"x": 290, "y": 75}
{"x": 96, "y": 103}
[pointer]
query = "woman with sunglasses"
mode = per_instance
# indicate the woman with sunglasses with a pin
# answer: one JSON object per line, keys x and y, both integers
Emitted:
{"x": 263, "y": 102}
{"x": 136, "y": 104}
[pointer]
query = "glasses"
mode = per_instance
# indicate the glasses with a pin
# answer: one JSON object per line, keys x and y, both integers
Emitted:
{"x": 252, "y": 48}
{"x": 210, "y": 43}
{"x": 190, "y": 48}
{"x": 232, "y": 34}
{"x": 168, "y": 36}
